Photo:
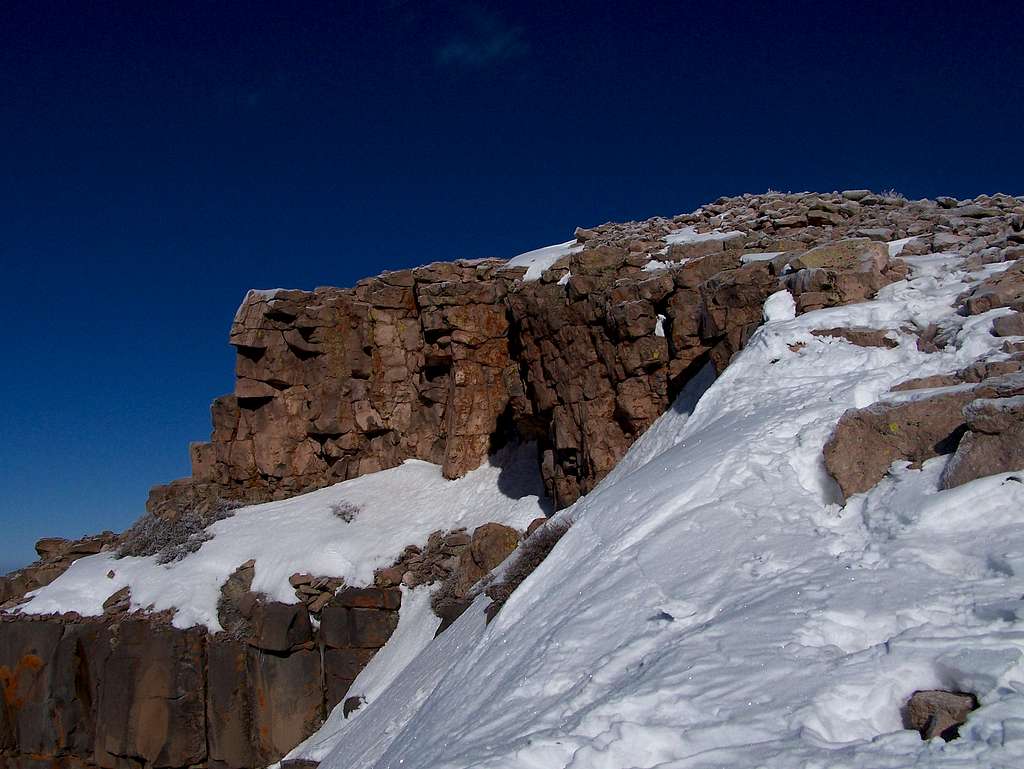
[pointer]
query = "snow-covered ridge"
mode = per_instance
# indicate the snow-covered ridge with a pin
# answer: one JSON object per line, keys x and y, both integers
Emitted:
{"x": 714, "y": 606}
{"x": 397, "y": 507}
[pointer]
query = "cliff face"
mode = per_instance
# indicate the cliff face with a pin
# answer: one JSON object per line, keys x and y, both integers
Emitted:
{"x": 446, "y": 361}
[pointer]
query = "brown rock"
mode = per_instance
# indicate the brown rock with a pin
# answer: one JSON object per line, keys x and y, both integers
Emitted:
{"x": 938, "y": 713}
{"x": 492, "y": 543}
{"x": 371, "y": 628}
{"x": 119, "y": 602}
{"x": 865, "y": 442}
{"x": 862, "y": 337}
{"x": 370, "y": 598}
{"x": 150, "y": 700}
{"x": 1009, "y": 325}
{"x": 278, "y": 627}
{"x": 993, "y": 443}
{"x": 1005, "y": 289}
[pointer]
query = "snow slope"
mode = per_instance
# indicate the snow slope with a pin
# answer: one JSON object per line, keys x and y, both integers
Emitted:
{"x": 398, "y": 507}
{"x": 713, "y": 606}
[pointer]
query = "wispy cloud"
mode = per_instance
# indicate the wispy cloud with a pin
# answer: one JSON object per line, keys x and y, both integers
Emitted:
{"x": 486, "y": 39}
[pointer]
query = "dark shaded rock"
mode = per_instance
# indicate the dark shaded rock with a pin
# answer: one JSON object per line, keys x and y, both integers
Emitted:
{"x": 48, "y": 686}
{"x": 335, "y": 627}
{"x": 371, "y": 628}
{"x": 352, "y": 704}
{"x": 993, "y": 443}
{"x": 341, "y": 666}
{"x": 299, "y": 763}
{"x": 278, "y": 627}
{"x": 260, "y": 705}
{"x": 150, "y": 704}
{"x": 938, "y": 713}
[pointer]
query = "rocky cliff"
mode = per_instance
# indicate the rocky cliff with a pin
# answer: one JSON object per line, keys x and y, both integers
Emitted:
{"x": 445, "y": 362}
{"x": 579, "y": 353}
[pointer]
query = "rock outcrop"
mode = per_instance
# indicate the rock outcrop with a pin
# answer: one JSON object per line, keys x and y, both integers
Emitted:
{"x": 979, "y": 419}
{"x": 446, "y": 361}
{"x": 55, "y": 556}
{"x": 131, "y": 691}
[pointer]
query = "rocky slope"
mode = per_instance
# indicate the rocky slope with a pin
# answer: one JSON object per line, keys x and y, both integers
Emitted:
{"x": 578, "y": 349}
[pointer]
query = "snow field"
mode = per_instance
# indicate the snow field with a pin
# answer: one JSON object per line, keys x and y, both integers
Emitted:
{"x": 713, "y": 604}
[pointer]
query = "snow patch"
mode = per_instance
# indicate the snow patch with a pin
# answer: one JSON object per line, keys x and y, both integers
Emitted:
{"x": 397, "y": 507}
{"x": 538, "y": 260}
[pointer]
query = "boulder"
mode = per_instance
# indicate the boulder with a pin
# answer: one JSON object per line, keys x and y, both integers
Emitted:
{"x": 1009, "y": 325}
{"x": 865, "y": 442}
{"x": 1005, "y": 289}
{"x": 993, "y": 443}
{"x": 492, "y": 543}
{"x": 938, "y": 713}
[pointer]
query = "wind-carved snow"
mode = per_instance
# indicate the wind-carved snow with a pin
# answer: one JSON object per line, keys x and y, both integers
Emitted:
{"x": 714, "y": 606}
{"x": 542, "y": 258}
{"x": 397, "y": 507}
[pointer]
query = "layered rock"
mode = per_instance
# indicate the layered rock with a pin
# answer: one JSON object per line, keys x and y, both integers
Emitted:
{"x": 444, "y": 362}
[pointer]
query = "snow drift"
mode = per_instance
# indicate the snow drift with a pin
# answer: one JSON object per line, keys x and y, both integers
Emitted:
{"x": 714, "y": 606}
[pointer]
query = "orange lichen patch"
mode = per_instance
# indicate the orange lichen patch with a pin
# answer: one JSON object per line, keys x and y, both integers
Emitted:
{"x": 9, "y": 684}
{"x": 9, "y": 678}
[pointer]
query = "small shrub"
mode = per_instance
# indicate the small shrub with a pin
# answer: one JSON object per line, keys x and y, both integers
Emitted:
{"x": 171, "y": 539}
{"x": 892, "y": 194}
{"x": 347, "y": 511}
{"x": 527, "y": 558}
{"x": 445, "y": 596}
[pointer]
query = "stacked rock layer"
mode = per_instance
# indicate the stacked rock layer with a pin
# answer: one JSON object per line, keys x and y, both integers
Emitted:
{"x": 445, "y": 362}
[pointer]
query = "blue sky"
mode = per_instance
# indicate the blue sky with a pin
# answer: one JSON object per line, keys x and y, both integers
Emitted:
{"x": 157, "y": 161}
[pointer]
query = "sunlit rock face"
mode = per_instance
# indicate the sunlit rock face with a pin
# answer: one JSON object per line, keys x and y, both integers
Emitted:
{"x": 580, "y": 351}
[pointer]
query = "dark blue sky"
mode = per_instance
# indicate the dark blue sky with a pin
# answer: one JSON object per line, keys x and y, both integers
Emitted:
{"x": 158, "y": 159}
